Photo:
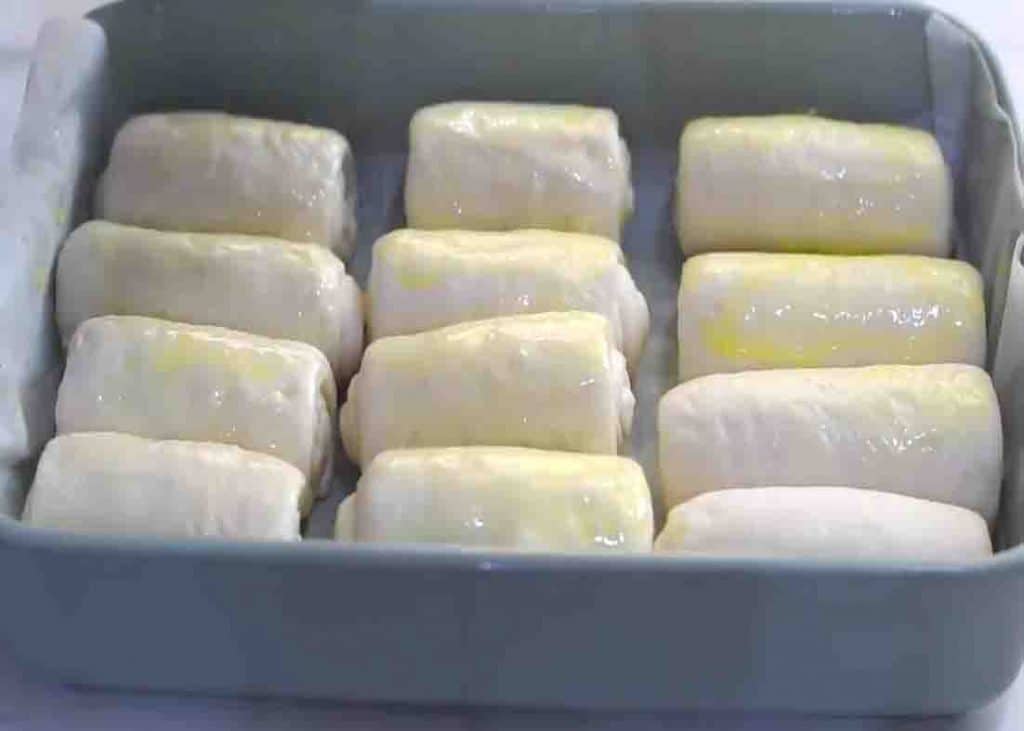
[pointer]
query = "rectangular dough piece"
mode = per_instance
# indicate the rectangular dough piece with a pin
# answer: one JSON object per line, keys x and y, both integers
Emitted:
{"x": 117, "y": 484}
{"x": 826, "y": 523}
{"x": 927, "y": 431}
{"x": 218, "y": 173}
{"x": 806, "y": 184}
{"x": 499, "y": 166}
{"x": 168, "y": 380}
{"x": 422, "y": 280}
{"x": 265, "y": 286}
{"x": 501, "y": 497}
{"x": 549, "y": 381}
{"x": 750, "y": 311}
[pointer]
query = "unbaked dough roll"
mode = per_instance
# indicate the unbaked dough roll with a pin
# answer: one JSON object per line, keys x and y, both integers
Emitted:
{"x": 748, "y": 311}
{"x": 501, "y": 497}
{"x": 928, "y": 431}
{"x": 550, "y": 381}
{"x": 213, "y": 172}
{"x": 823, "y": 522}
{"x": 117, "y": 484}
{"x": 800, "y": 183}
{"x": 494, "y": 166}
{"x": 427, "y": 279}
{"x": 266, "y": 286}
{"x": 167, "y": 380}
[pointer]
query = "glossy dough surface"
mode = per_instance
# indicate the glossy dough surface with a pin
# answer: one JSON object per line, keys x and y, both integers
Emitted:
{"x": 823, "y": 522}
{"x": 427, "y": 279}
{"x": 549, "y": 381}
{"x": 501, "y": 497}
{"x": 116, "y": 484}
{"x": 927, "y": 431}
{"x": 499, "y": 166}
{"x": 800, "y": 183}
{"x": 255, "y": 284}
{"x": 167, "y": 380}
{"x": 218, "y": 173}
{"x": 746, "y": 311}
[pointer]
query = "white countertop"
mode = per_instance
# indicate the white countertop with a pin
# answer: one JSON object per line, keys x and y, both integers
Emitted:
{"x": 28, "y": 702}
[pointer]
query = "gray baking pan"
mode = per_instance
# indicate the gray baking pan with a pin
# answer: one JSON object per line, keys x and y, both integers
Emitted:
{"x": 449, "y": 626}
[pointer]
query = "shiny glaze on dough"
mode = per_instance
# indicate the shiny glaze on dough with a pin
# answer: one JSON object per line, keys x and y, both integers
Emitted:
{"x": 807, "y": 184}
{"x": 501, "y": 497}
{"x": 745, "y": 311}
{"x": 427, "y": 279}
{"x": 219, "y": 173}
{"x": 548, "y": 381}
{"x": 927, "y": 431}
{"x": 500, "y": 166}
{"x": 167, "y": 380}
{"x": 256, "y": 284}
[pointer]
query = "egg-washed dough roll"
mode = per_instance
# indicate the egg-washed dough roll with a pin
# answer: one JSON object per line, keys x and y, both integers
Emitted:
{"x": 218, "y": 173}
{"x": 748, "y": 311}
{"x": 260, "y": 285}
{"x": 117, "y": 484}
{"x": 427, "y": 279}
{"x": 495, "y": 166}
{"x": 551, "y": 381}
{"x": 823, "y": 522}
{"x": 800, "y": 183}
{"x": 501, "y": 497}
{"x": 167, "y": 380}
{"x": 927, "y": 431}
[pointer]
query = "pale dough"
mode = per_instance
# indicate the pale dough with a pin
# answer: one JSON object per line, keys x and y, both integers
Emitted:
{"x": 218, "y": 173}
{"x": 501, "y": 497}
{"x": 550, "y": 381}
{"x": 499, "y": 166}
{"x": 167, "y": 380}
{"x": 823, "y": 522}
{"x": 927, "y": 431}
{"x": 745, "y": 311}
{"x": 801, "y": 183}
{"x": 117, "y": 484}
{"x": 427, "y": 279}
{"x": 261, "y": 285}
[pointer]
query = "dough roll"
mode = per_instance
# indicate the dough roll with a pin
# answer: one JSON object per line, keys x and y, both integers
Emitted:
{"x": 823, "y": 522}
{"x": 117, "y": 484}
{"x": 496, "y": 166}
{"x": 427, "y": 279}
{"x": 800, "y": 183}
{"x": 549, "y": 381}
{"x": 166, "y": 380}
{"x": 501, "y": 497}
{"x": 927, "y": 431}
{"x": 748, "y": 311}
{"x": 217, "y": 173}
{"x": 260, "y": 285}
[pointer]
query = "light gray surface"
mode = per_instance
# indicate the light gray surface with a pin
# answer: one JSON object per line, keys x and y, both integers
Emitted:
{"x": 237, "y": 710}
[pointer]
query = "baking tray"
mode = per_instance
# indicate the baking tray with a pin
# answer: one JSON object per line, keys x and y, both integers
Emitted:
{"x": 450, "y": 626}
